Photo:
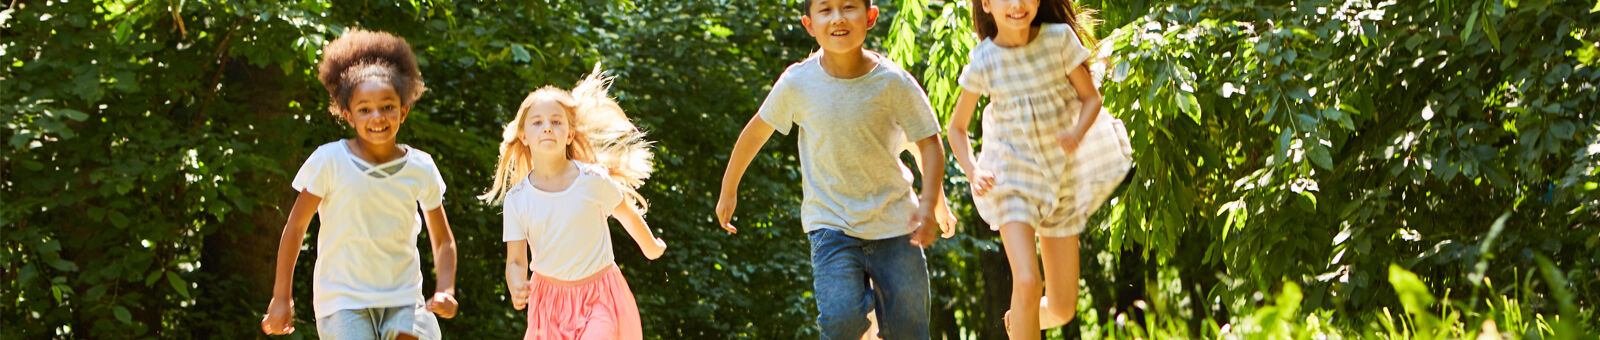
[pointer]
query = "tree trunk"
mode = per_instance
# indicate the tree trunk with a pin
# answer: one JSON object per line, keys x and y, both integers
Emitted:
{"x": 239, "y": 256}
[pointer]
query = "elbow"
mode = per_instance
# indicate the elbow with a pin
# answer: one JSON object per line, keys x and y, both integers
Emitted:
{"x": 1091, "y": 101}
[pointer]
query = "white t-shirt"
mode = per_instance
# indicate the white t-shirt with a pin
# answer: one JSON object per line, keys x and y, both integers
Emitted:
{"x": 367, "y": 245}
{"x": 851, "y": 134}
{"x": 566, "y": 230}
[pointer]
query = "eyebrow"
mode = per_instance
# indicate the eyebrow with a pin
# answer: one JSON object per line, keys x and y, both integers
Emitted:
{"x": 384, "y": 99}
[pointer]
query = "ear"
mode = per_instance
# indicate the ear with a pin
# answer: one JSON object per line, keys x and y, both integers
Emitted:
{"x": 805, "y": 20}
{"x": 985, "y": 5}
{"x": 404, "y": 111}
{"x": 872, "y": 16}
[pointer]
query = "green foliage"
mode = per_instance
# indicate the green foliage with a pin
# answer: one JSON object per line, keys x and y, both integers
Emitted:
{"x": 1308, "y": 151}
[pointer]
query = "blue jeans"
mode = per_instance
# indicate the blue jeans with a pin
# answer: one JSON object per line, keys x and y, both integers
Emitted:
{"x": 379, "y": 323}
{"x": 843, "y": 266}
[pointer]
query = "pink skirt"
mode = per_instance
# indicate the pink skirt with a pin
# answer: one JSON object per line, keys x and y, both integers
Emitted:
{"x": 596, "y": 307}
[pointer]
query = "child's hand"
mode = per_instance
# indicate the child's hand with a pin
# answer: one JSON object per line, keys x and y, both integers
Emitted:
{"x": 654, "y": 251}
{"x": 725, "y": 207}
{"x": 925, "y": 226}
{"x": 1069, "y": 139}
{"x": 442, "y": 305}
{"x": 280, "y": 317}
{"x": 981, "y": 181}
{"x": 519, "y": 295}
{"x": 947, "y": 219}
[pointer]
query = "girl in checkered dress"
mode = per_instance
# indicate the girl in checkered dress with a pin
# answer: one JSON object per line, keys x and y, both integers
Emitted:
{"x": 1050, "y": 156}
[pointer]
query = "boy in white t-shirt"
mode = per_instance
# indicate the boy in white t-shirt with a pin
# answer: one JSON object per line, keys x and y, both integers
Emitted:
{"x": 368, "y": 276}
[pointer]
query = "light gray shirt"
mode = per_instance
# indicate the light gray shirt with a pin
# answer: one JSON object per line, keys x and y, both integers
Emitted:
{"x": 851, "y": 134}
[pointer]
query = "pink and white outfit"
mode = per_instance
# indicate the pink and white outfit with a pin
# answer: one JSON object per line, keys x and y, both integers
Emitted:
{"x": 576, "y": 291}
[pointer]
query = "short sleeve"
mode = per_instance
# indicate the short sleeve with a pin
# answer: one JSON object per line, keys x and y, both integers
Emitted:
{"x": 316, "y": 174}
{"x": 432, "y": 194}
{"x": 514, "y": 229}
{"x": 914, "y": 114}
{"x": 777, "y": 110}
{"x": 608, "y": 193}
{"x": 1072, "y": 50}
{"x": 974, "y": 79}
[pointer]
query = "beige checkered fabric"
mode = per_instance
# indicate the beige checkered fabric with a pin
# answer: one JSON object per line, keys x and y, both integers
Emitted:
{"x": 1030, "y": 100}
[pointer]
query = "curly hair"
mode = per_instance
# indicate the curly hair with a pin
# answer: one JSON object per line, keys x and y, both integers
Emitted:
{"x": 361, "y": 55}
{"x": 603, "y": 135}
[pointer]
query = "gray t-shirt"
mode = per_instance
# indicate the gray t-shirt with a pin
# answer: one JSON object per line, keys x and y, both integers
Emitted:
{"x": 851, "y": 134}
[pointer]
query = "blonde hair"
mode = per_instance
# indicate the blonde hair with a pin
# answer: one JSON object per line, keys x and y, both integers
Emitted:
{"x": 602, "y": 135}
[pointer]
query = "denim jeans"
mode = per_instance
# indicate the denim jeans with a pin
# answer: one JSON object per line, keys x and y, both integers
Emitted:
{"x": 379, "y": 323}
{"x": 854, "y": 276}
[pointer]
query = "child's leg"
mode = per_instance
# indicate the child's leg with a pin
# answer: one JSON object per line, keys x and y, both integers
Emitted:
{"x": 1026, "y": 283}
{"x": 1060, "y": 258}
{"x": 899, "y": 273}
{"x": 840, "y": 281}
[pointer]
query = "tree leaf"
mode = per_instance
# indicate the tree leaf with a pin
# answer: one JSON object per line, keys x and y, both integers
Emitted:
{"x": 178, "y": 284}
{"x": 520, "y": 54}
{"x": 1319, "y": 156}
{"x": 1189, "y": 105}
{"x": 122, "y": 314}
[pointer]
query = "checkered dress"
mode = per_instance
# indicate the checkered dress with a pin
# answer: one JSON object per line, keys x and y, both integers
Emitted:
{"x": 1030, "y": 100}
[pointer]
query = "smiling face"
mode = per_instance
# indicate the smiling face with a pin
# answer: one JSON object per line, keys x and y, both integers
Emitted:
{"x": 1012, "y": 14}
{"x": 547, "y": 128}
{"x": 840, "y": 26}
{"x": 376, "y": 112}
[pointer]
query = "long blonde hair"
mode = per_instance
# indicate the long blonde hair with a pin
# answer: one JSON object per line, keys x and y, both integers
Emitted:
{"x": 602, "y": 135}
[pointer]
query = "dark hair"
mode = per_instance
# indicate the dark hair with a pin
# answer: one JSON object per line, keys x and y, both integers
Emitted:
{"x": 805, "y": 6}
{"x": 362, "y": 55}
{"x": 1050, "y": 11}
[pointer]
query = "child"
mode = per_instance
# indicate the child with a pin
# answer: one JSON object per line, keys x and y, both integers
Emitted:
{"x": 368, "y": 275}
{"x": 567, "y": 162}
{"x": 855, "y": 110}
{"x": 1033, "y": 176}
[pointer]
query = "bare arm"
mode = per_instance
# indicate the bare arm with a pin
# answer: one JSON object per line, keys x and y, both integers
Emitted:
{"x": 932, "y": 150}
{"x": 443, "y": 302}
{"x": 1090, "y": 97}
{"x": 444, "y": 250}
{"x": 960, "y": 139}
{"x": 517, "y": 272}
{"x": 755, "y": 135}
{"x": 280, "y": 312}
{"x": 941, "y": 213}
{"x": 631, "y": 221}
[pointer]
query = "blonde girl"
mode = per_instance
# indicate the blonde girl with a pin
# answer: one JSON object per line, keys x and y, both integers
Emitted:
{"x": 1050, "y": 157}
{"x": 568, "y": 161}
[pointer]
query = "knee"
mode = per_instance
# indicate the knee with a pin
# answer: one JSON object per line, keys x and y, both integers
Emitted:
{"x": 842, "y": 325}
{"x": 1025, "y": 281}
{"x": 1066, "y": 309}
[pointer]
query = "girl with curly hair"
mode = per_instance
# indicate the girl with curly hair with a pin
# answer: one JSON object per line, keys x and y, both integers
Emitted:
{"x": 367, "y": 282}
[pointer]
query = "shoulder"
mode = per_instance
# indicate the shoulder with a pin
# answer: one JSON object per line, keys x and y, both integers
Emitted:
{"x": 513, "y": 197}
{"x": 596, "y": 178}
{"x": 326, "y": 152}
{"x": 800, "y": 71}
{"x": 982, "y": 50}
{"x": 1058, "y": 28}
{"x": 891, "y": 71}
{"x": 1061, "y": 32}
{"x": 421, "y": 157}
{"x": 330, "y": 148}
